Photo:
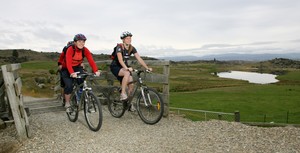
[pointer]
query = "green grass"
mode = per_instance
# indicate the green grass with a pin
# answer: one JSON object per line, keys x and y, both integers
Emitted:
{"x": 253, "y": 102}
{"x": 38, "y": 69}
{"x": 292, "y": 76}
{"x": 39, "y": 65}
{"x": 256, "y": 103}
{"x": 191, "y": 77}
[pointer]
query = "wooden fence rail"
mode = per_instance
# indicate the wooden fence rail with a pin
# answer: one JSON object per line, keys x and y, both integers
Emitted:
{"x": 12, "y": 86}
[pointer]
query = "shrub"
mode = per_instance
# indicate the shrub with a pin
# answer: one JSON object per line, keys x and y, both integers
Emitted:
{"x": 52, "y": 71}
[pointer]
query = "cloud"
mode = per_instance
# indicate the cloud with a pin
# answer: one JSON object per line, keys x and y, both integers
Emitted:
{"x": 33, "y": 34}
{"x": 263, "y": 43}
{"x": 165, "y": 28}
{"x": 295, "y": 41}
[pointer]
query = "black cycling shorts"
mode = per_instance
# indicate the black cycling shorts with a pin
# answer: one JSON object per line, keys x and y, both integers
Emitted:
{"x": 115, "y": 70}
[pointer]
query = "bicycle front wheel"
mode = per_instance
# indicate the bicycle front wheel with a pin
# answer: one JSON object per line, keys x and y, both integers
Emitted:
{"x": 150, "y": 106}
{"x": 115, "y": 105}
{"x": 73, "y": 114}
{"x": 92, "y": 111}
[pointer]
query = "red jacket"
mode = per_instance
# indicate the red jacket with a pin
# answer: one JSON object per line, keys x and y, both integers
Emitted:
{"x": 70, "y": 59}
{"x": 61, "y": 59}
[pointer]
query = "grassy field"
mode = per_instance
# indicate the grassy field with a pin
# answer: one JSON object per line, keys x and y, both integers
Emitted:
{"x": 38, "y": 70}
{"x": 256, "y": 103}
{"x": 252, "y": 101}
{"x": 193, "y": 86}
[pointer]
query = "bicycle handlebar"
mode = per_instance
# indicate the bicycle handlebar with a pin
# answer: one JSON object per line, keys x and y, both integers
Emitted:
{"x": 84, "y": 75}
{"x": 140, "y": 71}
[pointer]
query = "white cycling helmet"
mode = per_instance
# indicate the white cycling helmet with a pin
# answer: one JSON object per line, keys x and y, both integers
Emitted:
{"x": 125, "y": 34}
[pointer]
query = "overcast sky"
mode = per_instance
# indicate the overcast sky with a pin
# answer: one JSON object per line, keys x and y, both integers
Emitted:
{"x": 159, "y": 27}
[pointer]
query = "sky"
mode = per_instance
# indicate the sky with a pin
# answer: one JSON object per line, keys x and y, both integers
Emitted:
{"x": 159, "y": 27}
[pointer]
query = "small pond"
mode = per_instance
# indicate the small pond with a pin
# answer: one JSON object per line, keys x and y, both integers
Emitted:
{"x": 252, "y": 77}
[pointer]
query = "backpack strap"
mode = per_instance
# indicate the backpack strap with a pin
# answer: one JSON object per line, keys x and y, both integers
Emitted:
{"x": 121, "y": 45}
{"x": 114, "y": 53}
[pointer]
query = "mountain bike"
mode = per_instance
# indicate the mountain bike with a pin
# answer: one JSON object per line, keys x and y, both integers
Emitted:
{"x": 82, "y": 96}
{"x": 149, "y": 104}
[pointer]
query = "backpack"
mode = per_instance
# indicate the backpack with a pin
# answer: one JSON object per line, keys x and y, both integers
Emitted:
{"x": 114, "y": 53}
{"x": 67, "y": 47}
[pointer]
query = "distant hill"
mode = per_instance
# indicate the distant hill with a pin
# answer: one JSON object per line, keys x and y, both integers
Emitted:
{"x": 230, "y": 57}
{"x": 30, "y": 54}
{"x": 6, "y": 56}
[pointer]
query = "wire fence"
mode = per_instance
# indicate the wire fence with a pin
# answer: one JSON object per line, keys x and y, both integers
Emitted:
{"x": 286, "y": 117}
{"x": 203, "y": 115}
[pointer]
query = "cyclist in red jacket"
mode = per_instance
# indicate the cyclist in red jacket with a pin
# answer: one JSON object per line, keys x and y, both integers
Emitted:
{"x": 60, "y": 62}
{"x": 73, "y": 63}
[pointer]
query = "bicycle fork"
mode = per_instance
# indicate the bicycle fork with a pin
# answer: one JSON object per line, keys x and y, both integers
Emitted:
{"x": 89, "y": 105}
{"x": 144, "y": 97}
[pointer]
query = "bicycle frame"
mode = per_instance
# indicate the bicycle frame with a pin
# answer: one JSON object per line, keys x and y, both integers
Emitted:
{"x": 85, "y": 90}
{"x": 138, "y": 84}
{"x": 87, "y": 101}
{"x": 149, "y": 104}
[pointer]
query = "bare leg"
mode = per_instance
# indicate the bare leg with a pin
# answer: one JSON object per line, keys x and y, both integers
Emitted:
{"x": 130, "y": 87}
{"x": 126, "y": 78}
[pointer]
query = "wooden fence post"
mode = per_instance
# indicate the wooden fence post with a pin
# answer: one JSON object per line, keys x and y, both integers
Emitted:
{"x": 166, "y": 88}
{"x": 2, "y": 93}
{"x": 13, "y": 87}
{"x": 237, "y": 116}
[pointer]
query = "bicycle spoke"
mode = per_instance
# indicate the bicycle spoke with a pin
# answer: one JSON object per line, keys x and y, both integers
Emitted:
{"x": 73, "y": 115}
{"x": 115, "y": 106}
{"x": 150, "y": 107}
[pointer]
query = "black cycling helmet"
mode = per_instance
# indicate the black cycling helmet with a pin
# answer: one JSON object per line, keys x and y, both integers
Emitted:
{"x": 125, "y": 34}
{"x": 79, "y": 37}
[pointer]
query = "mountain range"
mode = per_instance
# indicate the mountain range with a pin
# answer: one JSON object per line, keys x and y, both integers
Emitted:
{"x": 231, "y": 57}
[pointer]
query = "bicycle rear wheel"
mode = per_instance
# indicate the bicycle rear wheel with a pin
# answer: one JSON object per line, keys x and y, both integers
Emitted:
{"x": 115, "y": 106}
{"x": 151, "y": 109}
{"x": 73, "y": 115}
{"x": 92, "y": 111}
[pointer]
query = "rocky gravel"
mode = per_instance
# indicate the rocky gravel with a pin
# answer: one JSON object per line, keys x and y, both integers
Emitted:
{"x": 53, "y": 132}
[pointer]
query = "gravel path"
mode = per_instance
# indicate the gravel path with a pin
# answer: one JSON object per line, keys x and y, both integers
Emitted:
{"x": 52, "y": 132}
